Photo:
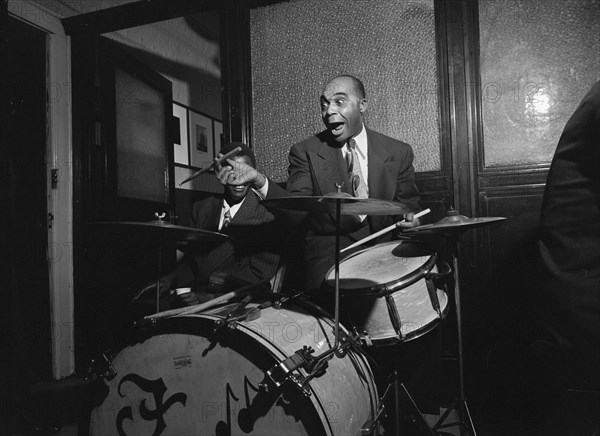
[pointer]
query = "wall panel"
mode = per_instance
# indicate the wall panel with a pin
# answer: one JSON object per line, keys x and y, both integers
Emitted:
{"x": 538, "y": 59}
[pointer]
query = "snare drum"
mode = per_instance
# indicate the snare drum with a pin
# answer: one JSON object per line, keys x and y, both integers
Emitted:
{"x": 384, "y": 291}
{"x": 186, "y": 378}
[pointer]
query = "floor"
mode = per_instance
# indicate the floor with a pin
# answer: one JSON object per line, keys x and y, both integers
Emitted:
{"x": 572, "y": 413}
{"x": 511, "y": 395}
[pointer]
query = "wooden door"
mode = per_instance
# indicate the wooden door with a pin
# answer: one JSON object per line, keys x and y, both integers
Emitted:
{"x": 124, "y": 172}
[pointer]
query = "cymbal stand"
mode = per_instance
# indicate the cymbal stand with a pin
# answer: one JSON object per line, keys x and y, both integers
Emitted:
{"x": 459, "y": 404}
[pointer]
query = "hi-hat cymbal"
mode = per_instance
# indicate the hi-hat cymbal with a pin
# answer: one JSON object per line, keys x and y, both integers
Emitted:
{"x": 349, "y": 205}
{"x": 158, "y": 231}
{"x": 455, "y": 224}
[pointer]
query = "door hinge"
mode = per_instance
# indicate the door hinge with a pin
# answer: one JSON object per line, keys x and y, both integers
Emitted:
{"x": 50, "y": 220}
{"x": 54, "y": 178}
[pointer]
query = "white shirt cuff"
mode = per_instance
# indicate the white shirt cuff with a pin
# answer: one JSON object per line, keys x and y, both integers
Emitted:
{"x": 262, "y": 192}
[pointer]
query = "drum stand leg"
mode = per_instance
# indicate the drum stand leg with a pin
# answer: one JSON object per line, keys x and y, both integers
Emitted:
{"x": 465, "y": 422}
{"x": 370, "y": 427}
{"x": 398, "y": 389}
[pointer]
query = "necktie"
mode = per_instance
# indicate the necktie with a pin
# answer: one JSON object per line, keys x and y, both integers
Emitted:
{"x": 226, "y": 219}
{"x": 359, "y": 185}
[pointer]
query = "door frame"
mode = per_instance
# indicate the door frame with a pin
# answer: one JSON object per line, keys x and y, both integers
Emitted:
{"x": 60, "y": 192}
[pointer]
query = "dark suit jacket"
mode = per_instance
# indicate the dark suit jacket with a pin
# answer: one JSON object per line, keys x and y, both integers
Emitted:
{"x": 317, "y": 164}
{"x": 570, "y": 233}
{"x": 253, "y": 252}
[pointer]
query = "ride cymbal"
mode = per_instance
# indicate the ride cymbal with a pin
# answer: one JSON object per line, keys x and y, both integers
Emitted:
{"x": 455, "y": 223}
{"x": 349, "y": 205}
{"x": 158, "y": 230}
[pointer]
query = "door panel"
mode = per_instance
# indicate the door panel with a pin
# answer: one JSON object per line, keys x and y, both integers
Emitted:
{"x": 122, "y": 149}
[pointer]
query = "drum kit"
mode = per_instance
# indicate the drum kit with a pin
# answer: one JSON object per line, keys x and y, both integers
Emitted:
{"x": 277, "y": 364}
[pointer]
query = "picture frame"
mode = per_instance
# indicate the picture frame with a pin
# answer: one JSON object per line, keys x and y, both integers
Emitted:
{"x": 201, "y": 145}
{"x": 181, "y": 152}
{"x": 219, "y": 140}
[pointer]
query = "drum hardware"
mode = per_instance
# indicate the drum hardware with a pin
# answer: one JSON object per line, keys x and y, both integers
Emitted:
{"x": 394, "y": 315}
{"x": 371, "y": 424}
{"x": 282, "y": 372}
{"x": 363, "y": 337}
{"x": 239, "y": 313}
{"x": 452, "y": 226}
{"x": 101, "y": 369}
{"x": 397, "y": 387}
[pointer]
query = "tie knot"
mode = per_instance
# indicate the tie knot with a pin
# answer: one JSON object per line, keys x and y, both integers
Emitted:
{"x": 351, "y": 144}
{"x": 226, "y": 219}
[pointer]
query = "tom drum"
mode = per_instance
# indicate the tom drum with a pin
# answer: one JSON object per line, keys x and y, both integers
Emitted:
{"x": 386, "y": 293}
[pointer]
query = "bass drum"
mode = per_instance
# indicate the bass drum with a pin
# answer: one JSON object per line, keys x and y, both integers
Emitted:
{"x": 192, "y": 375}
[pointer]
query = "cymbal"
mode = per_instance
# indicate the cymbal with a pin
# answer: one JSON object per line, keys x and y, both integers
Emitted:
{"x": 349, "y": 205}
{"x": 454, "y": 223}
{"x": 159, "y": 230}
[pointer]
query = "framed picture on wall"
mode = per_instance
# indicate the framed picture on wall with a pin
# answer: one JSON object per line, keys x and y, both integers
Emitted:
{"x": 201, "y": 140}
{"x": 219, "y": 139}
{"x": 180, "y": 135}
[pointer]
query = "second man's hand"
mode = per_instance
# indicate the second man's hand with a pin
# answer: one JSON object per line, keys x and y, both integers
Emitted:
{"x": 237, "y": 172}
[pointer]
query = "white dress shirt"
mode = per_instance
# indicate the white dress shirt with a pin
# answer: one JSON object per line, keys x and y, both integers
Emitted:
{"x": 232, "y": 211}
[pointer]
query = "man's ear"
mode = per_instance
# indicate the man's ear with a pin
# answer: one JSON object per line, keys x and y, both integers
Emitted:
{"x": 363, "y": 105}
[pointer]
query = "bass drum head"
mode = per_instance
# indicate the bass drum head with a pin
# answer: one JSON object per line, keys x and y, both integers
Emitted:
{"x": 186, "y": 380}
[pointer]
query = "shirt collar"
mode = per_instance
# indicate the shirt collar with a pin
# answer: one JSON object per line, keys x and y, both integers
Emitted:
{"x": 232, "y": 209}
{"x": 361, "y": 142}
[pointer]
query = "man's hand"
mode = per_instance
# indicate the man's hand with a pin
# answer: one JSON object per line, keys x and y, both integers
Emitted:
{"x": 238, "y": 173}
{"x": 409, "y": 221}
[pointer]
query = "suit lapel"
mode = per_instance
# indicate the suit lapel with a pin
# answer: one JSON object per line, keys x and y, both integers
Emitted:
{"x": 247, "y": 209}
{"x": 330, "y": 168}
{"x": 208, "y": 216}
{"x": 381, "y": 176}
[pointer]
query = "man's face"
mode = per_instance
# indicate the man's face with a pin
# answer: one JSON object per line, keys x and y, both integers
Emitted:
{"x": 236, "y": 193}
{"x": 342, "y": 109}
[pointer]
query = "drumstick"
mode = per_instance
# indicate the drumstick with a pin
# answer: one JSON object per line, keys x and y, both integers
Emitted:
{"x": 381, "y": 232}
{"x": 214, "y": 164}
{"x": 244, "y": 290}
{"x": 192, "y": 309}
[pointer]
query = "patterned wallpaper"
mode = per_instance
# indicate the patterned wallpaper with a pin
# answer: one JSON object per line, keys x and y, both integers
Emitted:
{"x": 297, "y": 46}
{"x": 538, "y": 60}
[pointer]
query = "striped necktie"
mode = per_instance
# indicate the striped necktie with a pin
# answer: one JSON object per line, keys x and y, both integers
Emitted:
{"x": 226, "y": 219}
{"x": 359, "y": 185}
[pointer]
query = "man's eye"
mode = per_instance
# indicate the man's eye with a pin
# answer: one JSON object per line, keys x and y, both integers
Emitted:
{"x": 340, "y": 102}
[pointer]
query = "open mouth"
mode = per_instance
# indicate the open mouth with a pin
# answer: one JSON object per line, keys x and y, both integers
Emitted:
{"x": 237, "y": 188}
{"x": 336, "y": 127}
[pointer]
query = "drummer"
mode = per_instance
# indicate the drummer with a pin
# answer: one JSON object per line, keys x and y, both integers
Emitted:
{"x": 319, "y": 162}
{"x": 251, "y": 256}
